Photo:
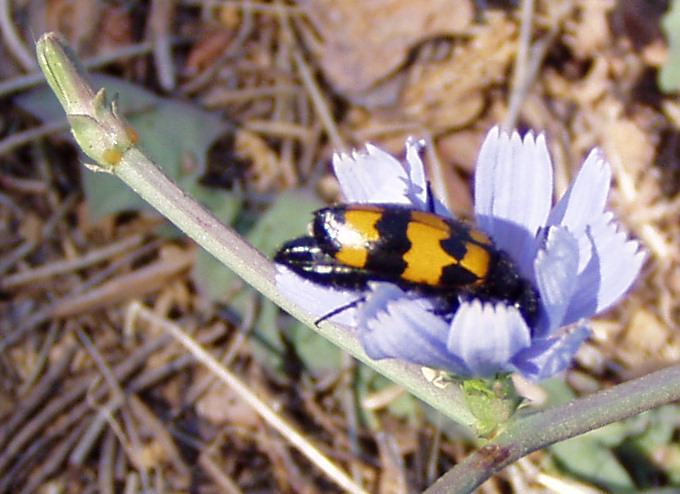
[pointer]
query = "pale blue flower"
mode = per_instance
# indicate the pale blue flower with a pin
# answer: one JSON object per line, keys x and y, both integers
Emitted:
{"x": 573, "y": 253}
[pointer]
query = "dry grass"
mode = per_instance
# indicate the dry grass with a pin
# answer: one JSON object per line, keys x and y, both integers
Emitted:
{"x": 97, "y": 397}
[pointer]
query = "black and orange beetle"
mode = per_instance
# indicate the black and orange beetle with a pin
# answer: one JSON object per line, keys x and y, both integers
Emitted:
{"x": 438, "y": 257}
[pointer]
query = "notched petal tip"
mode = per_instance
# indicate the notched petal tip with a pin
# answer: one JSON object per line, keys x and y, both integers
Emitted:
{"x": 371, "y": 175}
{"x": 547, "y": 357}
{"x": 587, "y": 195}
{"x": 395, "y": 324}
{"x": 513, "y": 190}
{"x": 418, "y": 189}
{"x": 620, "y": 260}
{"x": 486, "y": 336}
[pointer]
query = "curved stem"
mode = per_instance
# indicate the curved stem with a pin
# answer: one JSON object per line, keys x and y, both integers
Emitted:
{"x": 535, "y": 431}
{"x": 106, "y": 139}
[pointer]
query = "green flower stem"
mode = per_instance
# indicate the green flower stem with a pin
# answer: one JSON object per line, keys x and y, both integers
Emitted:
{"x": 537, "y": 430}
{"x": 108, "y": 140}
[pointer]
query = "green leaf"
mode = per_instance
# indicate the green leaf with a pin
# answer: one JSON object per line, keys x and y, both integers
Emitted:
{"x": 286, "y": 218}
{"x": 170, "y": 131}
{"x": 669, "y": 75}
{"x": 317, "y": 354}
{"x": 621, "y": 456}
{"x": 588, "y": 457}
{"x": 652, "y": 446}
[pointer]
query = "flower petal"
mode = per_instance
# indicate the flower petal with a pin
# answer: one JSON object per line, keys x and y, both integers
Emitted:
{"x": 418, "y": 189}
{"x": 513, "y": 191}
{"x": 395, "y": 325}
{"x": 371, "y": 176}
{"x": 587, "y": 195}
{"x": 621, "y": 260}
{"x": 486, "y": 336}
{"x": 545, "y": 358}
{"x": 319, "y": 300}
{"x": 613, "y": 267}
{"x": 584, "y": 203}
{"x": 556, "y": 268}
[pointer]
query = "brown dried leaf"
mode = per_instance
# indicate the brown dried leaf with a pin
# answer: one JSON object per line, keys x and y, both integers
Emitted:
{"x": 623, "y": 140}
{"x": 208, "y": 49}
{"x": 588, "y": 33}
{"x": 220, "y": 405}
{"x": 646, "y": 334}
{"x": 450, "y": 94}
{"x": 78, "y": 20}
{"x": 364, "y": 41}
{"x": 265, "y": 168}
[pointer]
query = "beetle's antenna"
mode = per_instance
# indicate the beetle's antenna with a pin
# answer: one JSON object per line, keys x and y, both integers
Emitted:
{"x": 340, "y": 309}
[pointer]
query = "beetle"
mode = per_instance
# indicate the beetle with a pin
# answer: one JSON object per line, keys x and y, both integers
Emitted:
{"x": 442, "y": 258}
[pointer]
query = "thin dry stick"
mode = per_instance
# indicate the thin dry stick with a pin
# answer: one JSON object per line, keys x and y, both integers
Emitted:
{"x": 18, "y": 139}
{"x": 114, "y": 269}
{"x": 391, "y": 457}
{"x": 162, "y": 435}
{"x": 350, "y": 411}
{"x": 94, "y": 430}
{"x": 54, "y": 461}
{"x": 48, "y": 415}
{"x": 33, "y": 450}
{"x": 284, "y": 108}
{"x": 37, "y": 396}
{"x": 21, "y": 83}
{"x": 315, "y": 94}
{"x": 230, "y": 353}
{"x": 276, "y": 422}
{"x": 148, "y": 378}
{"x": 107, "y": 454}
{"x": 69, "y": 265}
{"x": 234, "y": 49}
{"x": 45, "y": 232}
{"x": 159, "y": 21}
{"x": 280, "y": 129}
{"x": 24, "y": 186}
{"x": 139, "y": 282}
{"x": 432, "y": 465}
{"x": 115, "y": 390}
{"x": 320, "y": 103}
{"x": 527, "y": 67}
{"x": 247, "y": 94}
{"x": 219, "y": 477}
{"x": 519, "y": 80}
{"x": 20, "y": 440}
{"x": 41, "y": 361}
{"x": 132, "y": 484}
{"x": 249, "y": 6}
{"x": 14, "y": 43}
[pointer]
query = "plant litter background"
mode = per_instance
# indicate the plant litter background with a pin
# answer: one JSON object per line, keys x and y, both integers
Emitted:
{"x": 243, "y": 102}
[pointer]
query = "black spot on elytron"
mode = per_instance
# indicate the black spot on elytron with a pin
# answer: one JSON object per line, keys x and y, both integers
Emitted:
{"x": 386, "y": 255}
{"x": 456, "y": 244}
{"x": 455, "y": 275}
